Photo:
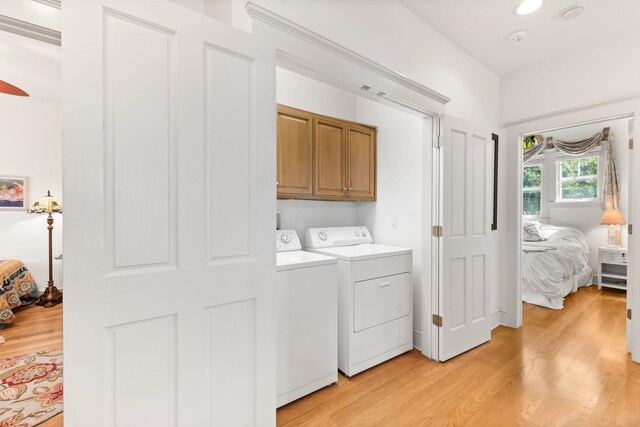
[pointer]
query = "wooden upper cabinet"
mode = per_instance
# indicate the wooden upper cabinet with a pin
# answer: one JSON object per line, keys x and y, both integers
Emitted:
{"x": 361, "y": 162}
{"x": 330, "y": 164}
{"x": 324, "y": 158}
{"x": 295, "y": 153}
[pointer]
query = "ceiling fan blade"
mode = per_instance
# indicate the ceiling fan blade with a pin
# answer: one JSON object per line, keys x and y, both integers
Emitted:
{"x": 11, "y": 89}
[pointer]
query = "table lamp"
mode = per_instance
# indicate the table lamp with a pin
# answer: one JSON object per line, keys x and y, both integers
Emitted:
{"x": 48, "y": 205}
{"x": 613, "y": 219}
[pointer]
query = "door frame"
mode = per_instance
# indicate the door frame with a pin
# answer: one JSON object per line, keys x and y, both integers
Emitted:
{"x": 512, "y": 286}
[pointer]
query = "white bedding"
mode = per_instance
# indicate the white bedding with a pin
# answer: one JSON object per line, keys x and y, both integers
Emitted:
{"x": 554, "y": 268}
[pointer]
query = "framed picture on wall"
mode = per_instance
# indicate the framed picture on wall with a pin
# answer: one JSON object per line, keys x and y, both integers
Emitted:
{"x": 13, "y": 193}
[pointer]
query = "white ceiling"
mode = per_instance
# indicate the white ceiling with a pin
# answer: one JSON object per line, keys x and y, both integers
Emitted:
{"x": 481, "y": 28}
{"x": 32, "y": 65}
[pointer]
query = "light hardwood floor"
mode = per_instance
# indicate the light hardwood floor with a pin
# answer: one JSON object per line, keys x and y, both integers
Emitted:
{"x": 567, "y": 367}
{"x": 35, "y": 329}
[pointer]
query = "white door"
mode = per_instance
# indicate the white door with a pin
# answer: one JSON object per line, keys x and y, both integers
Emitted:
{"x": 169, "y": 185}
{"x": 463, "y": 294}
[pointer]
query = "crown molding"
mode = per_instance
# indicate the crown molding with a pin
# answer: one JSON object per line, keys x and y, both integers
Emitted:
{"x": 261, "y": 14}
{"x": 27, "y": 29}
{"x": 52, "y": 3}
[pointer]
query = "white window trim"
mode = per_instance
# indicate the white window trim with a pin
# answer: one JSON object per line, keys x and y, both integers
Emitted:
{"x": 555, "y": 201}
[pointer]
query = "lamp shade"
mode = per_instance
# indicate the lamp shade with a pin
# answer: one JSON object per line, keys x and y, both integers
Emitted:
{"x": 612, "y": 218}
{"x": 47, "y": 204}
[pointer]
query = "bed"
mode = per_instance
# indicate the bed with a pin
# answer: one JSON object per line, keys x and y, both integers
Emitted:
{"x": 17, "y": 288}
{"x": 555, "y": 267}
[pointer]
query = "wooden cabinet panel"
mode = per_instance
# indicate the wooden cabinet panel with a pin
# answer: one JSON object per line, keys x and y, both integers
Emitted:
{"x": 324, "y": 158}
{"x": 361, "y": 163}
{"x": 295, "y": 153}
{"x": 329, "y": 162}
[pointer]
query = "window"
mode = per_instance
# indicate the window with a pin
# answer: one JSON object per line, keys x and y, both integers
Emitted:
{"x": 578, "y": 179}
{"x": 531, "y": 189}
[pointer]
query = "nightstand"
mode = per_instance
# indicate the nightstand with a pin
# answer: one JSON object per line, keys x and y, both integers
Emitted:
{"x": 612, "y": 270}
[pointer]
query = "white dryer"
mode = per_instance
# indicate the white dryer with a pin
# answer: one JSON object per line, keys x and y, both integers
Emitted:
{"x": 307, "y": 320}
{"x": 375, "y": 316}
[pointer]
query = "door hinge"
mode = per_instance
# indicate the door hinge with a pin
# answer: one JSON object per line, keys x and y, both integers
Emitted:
{"x": 437, "y": 137}
{"x": 436, "y": 231}
{"x": 629, "y": 313}
{"x": 630, "y": 229}
{"x": 437, "y": 320}
{"x": 631, "y": 144}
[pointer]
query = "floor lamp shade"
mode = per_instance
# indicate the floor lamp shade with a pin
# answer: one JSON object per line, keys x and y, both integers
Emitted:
{"x": 48, "y": 205}
{"x": 613, "y": 219}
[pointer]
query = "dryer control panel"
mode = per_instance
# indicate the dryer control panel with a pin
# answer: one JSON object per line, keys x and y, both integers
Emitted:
{"x": 316, "y": 238}
{"x": 287, "y": 240}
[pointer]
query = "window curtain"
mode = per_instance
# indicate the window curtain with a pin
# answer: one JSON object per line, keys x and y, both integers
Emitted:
{"x": 611, "y": 194}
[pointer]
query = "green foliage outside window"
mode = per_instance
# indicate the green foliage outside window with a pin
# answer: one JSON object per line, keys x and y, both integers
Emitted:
{"x": 531, "y": 189}
{"x": 579, "y": 178}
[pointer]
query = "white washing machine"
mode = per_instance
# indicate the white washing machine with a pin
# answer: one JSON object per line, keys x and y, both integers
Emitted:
{"x": 375, "y": 317}
{"x": 307, "y": 319}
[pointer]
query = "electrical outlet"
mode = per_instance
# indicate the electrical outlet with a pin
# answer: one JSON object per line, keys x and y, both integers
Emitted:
{"x": 394, "y": 221}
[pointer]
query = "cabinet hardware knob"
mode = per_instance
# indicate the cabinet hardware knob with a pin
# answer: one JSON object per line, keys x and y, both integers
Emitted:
{"x": 349, "y": 189}
{"x": 344, "y": 189}
{"x": 277, "y": 184}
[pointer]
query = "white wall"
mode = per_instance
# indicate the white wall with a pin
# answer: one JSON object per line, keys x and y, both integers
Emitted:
{"x": 606, "y": 71}
{"x": 586, "y": 218}
{"x": 31, "y": 145}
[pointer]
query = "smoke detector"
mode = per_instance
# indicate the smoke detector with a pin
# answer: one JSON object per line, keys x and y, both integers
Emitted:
{"x": 572, "y": 12}
{"x": 517, "y": 36}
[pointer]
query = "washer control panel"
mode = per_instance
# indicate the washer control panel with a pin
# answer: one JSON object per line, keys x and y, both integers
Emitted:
{"x": 287, "y": 240}
{"x": 337, "y": 236}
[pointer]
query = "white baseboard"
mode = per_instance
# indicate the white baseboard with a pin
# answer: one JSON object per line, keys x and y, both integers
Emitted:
{"x": 495, "y": 318}
{"x": 417, "y": 340}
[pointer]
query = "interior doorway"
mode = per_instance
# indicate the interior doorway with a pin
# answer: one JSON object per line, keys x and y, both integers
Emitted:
{"x": 31, "y": 227}
{"x": 565, "y": 211}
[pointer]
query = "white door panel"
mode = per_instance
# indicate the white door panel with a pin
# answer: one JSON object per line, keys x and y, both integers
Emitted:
{"x": 169, "y": 262}
{"x": 463, "y": 290}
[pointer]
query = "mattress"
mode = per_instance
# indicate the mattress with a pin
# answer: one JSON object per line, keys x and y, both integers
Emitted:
{"x": 554, "y": 268}
{"x": 17, "y": 288}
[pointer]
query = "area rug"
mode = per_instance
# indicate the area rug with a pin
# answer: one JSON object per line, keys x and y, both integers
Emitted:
{"x": 30, "y": 389}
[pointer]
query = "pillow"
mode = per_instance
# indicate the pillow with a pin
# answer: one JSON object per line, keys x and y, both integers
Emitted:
{"x": 531, "y": 232}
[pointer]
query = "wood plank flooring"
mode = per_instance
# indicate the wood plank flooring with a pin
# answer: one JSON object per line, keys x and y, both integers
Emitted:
{"x": 563, "y": 368}
{"x": 34, "y": 329}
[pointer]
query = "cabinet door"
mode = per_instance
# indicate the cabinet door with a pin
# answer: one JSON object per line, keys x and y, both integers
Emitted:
{"x": 295, "y": 153}
{"x": 330, "y": 140}
{"x": 361, "y": 163}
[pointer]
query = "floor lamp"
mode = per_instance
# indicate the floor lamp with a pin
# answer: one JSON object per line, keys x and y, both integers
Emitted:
{"x": 48, "y": 205}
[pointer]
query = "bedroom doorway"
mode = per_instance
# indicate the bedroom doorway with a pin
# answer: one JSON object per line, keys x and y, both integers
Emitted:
{"x": 575, "y": 206}
{"x": 31, "y": 223}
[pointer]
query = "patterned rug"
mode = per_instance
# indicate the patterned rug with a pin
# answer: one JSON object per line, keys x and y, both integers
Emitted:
{"x": 30, "y": 389}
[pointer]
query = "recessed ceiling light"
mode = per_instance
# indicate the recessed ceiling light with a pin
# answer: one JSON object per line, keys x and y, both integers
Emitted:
{"x": 528, "y": 6}
{"x": 573, "y": 12}
{"x": 517, "y": 36}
